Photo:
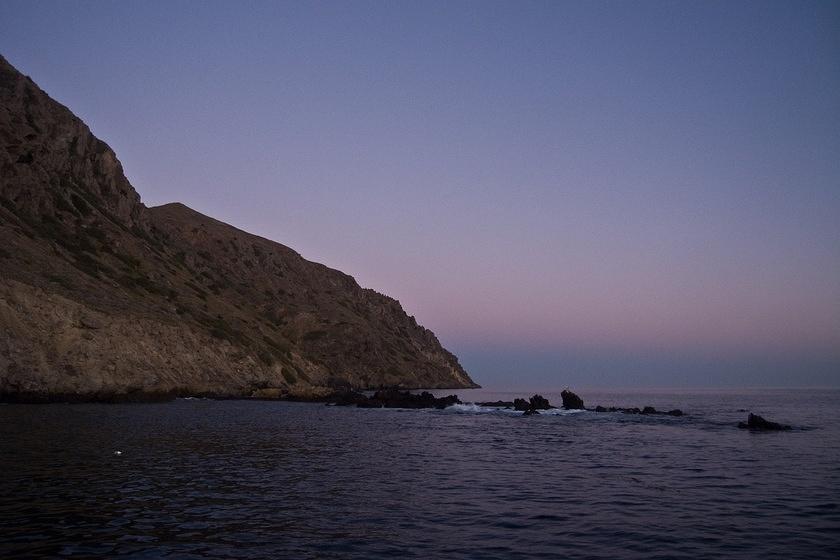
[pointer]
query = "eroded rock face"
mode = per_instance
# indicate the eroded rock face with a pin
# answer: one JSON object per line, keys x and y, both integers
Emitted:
{"x": 104, "y": 298}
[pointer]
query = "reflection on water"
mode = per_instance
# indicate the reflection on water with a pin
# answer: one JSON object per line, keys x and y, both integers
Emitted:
{"x": 235, "y": 479}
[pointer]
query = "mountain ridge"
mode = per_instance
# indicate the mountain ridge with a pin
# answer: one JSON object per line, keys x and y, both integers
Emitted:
{"x": 103, "y": 298}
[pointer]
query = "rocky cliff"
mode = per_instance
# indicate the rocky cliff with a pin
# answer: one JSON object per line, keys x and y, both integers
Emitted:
{"x": 104, "y": 298}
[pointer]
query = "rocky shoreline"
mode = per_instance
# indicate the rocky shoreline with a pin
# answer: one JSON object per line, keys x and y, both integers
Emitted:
{"x": 381, "y": 398}
{"x": 398, "y": 396}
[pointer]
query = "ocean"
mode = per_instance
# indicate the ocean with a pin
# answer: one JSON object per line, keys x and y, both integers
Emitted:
{"x": 200, "y": 478}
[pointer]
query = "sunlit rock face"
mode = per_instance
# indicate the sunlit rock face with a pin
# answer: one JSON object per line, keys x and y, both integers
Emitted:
{"x": 104, "y": 298}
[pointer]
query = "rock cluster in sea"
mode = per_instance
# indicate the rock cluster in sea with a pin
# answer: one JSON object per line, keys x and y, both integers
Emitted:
{"x": 571, "y": 401}
{"x": 392, "y": 398}
{"x": 532, "y": 405}
{"x": 395, "y": 398}
{"x": 634, "y": 410}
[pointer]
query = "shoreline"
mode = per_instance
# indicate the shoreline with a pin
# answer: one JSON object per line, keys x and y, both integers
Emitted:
{"x": 314, "y": 395}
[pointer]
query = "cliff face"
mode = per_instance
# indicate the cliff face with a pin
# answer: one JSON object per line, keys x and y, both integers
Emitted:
{"x": 101, "y": 297}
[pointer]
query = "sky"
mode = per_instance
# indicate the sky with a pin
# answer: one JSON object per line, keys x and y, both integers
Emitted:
{"x": 622, "y": 194}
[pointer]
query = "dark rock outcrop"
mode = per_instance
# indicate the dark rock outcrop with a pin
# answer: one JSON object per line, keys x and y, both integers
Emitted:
{"x": 757, "y": 423}
{"x": 571, "y": 401}
{"x": 392, "y": 398}
{"x": 538, "y": 402}
{"x": 347, "y": 398}
{"x": 529, "y": 407}
{"x": 521, "y": 404}
{"x": 100, "y": 295}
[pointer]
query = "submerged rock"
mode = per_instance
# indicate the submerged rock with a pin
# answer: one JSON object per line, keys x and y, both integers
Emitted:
{"x": 531, "y": 411}
{"x": 648, "y": 410}
{"x": 571, "y": 401}
{"x": 756, "y": 422}
{"x": 497, "y": 404}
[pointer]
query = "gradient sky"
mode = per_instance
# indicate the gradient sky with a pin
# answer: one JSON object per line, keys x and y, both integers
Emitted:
{"x": 587, "y": 193}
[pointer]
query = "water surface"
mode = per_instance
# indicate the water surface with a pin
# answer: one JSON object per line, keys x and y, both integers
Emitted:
{"x": 239, "y": 479}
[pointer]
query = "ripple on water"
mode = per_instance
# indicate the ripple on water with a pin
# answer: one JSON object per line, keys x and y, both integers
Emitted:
{"x": 210, "y": 479}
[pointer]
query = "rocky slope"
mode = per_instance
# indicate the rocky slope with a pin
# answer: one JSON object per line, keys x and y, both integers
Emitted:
{"x": 104, "y": 298}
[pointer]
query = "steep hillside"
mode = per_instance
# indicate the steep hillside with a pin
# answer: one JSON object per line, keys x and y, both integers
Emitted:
{"x": 103, "y": 298}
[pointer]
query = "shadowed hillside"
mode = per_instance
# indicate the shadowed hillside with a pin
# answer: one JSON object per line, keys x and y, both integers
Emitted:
{"x": 103, "y": 298}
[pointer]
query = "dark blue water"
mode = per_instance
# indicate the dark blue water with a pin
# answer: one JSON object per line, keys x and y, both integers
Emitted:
{"x": 235, "y": 479}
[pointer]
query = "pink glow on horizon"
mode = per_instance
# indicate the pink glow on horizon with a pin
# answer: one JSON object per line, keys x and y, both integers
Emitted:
{"x": 651, "y": 177}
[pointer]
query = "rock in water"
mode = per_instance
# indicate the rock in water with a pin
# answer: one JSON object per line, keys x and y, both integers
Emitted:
{"x": 531, "y": 406}
{"x": 571, "y": 401}
{"x": 394, "y": 398}
{"x": 103, "y": 298}
{"x": 756, "y": 422}
{"x": 538, "y": 402}
{"x": 348, "y": 398}
{"x": 521, "y": 404}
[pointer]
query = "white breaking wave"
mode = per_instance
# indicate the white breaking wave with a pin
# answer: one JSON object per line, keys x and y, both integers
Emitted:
{"x": 561, "y": 412}
{"x": 467, "y": 408}
{"x": 473, "y": 408}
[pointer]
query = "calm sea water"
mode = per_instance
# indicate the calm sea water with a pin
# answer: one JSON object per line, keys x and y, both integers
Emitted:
{"x": 236, "y": 479}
